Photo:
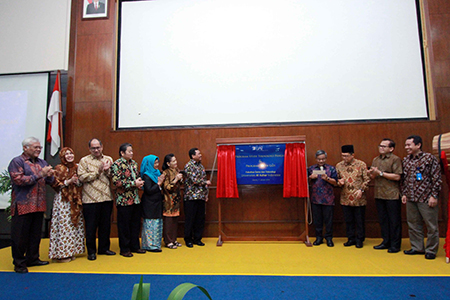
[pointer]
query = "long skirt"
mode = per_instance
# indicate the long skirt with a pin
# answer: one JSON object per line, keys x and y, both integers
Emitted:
{"x": 66, "y": 239}
{"x": 152, "y": 234}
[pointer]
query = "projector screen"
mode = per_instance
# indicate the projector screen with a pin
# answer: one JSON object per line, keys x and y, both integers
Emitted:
{"x": 34, "y": 35}
{"x": 237, "y": 62}
{"x": 23, "y": 104}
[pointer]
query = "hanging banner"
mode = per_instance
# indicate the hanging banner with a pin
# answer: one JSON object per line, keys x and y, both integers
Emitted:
{"x": 260, "y": 164}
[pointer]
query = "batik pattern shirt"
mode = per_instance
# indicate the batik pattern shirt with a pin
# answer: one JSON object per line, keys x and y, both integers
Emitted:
{"x": 96, "y": 187}
{"x": 355, "y": 178}
{"x": 430, "y": 185}
{"x": 195, "y": 182}
{"x": 171, "y": 193}
{"x": 322, "y": 191}
{"x": 384, "y": 188}
{"x": 124, "y": 175}
{"x": 28, "y": 186}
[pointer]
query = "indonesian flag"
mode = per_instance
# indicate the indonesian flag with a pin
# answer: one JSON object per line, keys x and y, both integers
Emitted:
{"x": 54, "y": 117}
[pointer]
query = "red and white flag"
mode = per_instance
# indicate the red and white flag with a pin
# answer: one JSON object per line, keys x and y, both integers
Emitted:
{"x": 54, "y": 116}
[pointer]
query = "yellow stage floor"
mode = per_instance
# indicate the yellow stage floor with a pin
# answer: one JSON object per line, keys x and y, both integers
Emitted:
{"x": 252, "y": 258}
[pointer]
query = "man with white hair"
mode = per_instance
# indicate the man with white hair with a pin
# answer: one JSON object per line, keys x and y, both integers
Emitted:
{"x": 29, "y": 175}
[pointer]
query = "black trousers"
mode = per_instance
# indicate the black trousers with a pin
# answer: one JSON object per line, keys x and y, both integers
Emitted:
{"x": 354, "y": 220}
{"x": 194, "y": 214}
{"x": 98, "y": 216}
{"x": 323, "y": 215}
{"x": 390, "y": 217}
{"x": 128, "y": 227}
{"x": 26, "y": 233}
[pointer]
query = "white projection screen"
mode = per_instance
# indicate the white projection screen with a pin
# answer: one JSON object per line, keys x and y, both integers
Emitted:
{"x": 249, "y": 62}
{"x": 23, "y": 113}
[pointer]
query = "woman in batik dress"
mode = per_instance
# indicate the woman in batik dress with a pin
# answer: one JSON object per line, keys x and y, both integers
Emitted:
{"x": 171, "y": 206}
{"x": 152, "y": 200}
{"x": 67, "y": 228}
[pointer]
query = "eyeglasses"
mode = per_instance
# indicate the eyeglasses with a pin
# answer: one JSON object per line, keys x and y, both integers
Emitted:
{"x": 383, "y": 146}
{"x": 95, "y": 148}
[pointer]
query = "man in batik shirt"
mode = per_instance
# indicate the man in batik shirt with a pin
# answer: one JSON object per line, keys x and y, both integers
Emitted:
{"x": 195, "y": 196}
{"x": 126, "y": 180}
{"x": 322, "y": 179}
{"x": 29, "y": 175}
{"x": 94, "y": 171}
{"x": 420, "y": 187}
{"x": 354, "y": 181}
{"x": 386, "y": 172}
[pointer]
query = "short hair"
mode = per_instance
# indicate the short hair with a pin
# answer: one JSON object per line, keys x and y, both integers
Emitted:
{"x": 123, "y": 148}
{"x": 29, "y": 140}
{"x": 321, "y": 152}
{"x": 90, "y": 141}
{"x": 416, "y": 140}
{"x": 167, "y": 159}
{"x": 391, "y": 142}
{"x": 192, "y": 152}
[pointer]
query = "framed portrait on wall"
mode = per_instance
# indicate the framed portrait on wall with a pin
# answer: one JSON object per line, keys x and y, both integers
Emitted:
{"x": 95, "y": 9}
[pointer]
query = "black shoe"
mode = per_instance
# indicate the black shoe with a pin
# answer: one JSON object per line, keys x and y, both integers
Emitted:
{"x": 429, "y": 255}
{"x": 330, "y": 243}
{"x": 199, "y": 243}
{"x": 108, "y": 252}
{"x": 92, "y": 256}
{"x": 412, "y": 252}
{"x": 380, "y": 247}
{"x": 393, "y": 250}
{"x": 359, "y": 244}
{"x": 349, "y": 243}
{"x": 318, "y": 241}
{"x": 140, "y": 251}
{"x": 21, "y": 270}
{"x": 189, "y": 245}
{"x": 126, "y": 254}
{"x": 154, "y": 250}
{"x": 38, "y": 263}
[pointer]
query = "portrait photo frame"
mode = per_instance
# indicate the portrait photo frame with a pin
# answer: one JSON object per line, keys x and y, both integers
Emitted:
{"x": 94, "y": 9}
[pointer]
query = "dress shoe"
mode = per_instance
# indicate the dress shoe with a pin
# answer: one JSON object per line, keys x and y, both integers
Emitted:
{"x": 189, "y": 245}
{"x": 21, "y": 270}
{"x": 359, "y": 244}
{"x": 92, "y": 256}
{"x": 108, "y": 252}
{"x": 154, "y": 250}
{"x": 380, "y": 247}
{"x": 126, "y": 254}
{"x": 393, "y": 250}
{"x": 413, "y": 252}
{"x": 140, "y": 251}
{"x": 318, "y": 241}
{"x": 429, "y": 255}
{"x": 330, "y": 243}
{"x": 199, "y": 243}
{"x": 349, "y": 243}
{"x": 38, "y": 263}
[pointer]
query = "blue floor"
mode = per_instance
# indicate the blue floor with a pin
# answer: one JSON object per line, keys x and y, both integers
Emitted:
{"x": 94, "y": 286}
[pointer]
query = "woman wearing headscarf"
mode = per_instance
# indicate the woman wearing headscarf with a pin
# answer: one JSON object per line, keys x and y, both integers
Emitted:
{"x": 171, "y": 206}
{"x": 67, "y": 228}
{"x": 152, "y": 200}
{"x": 126, "y": 181}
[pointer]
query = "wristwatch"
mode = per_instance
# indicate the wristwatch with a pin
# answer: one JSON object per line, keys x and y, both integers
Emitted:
{"x": 381, "y": 174}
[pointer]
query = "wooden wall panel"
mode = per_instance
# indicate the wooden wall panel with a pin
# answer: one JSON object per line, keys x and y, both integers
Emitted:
{"x": 90, "y": 112}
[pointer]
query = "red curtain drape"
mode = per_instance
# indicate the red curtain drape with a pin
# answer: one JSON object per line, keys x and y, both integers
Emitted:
{"x": 295, "y": 181}
{"x": 226, "y": 172}
{"x": 447, "y": 176}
